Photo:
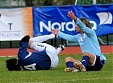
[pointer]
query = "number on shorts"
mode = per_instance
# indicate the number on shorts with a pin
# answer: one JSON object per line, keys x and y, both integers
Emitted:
{"x": 30, "y": 67}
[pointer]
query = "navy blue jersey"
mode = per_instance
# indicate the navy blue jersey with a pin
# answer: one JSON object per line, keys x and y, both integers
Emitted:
{"x": 33, "y": 60}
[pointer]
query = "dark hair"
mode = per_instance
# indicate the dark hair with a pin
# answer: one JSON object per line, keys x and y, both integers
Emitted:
{"x": 13, "y": 65}
{"x": 86, "y": 22}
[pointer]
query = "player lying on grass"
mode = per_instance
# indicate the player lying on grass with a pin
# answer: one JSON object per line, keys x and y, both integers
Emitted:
{"x": 45, "y": 56}
{"x": 92, "y": 58}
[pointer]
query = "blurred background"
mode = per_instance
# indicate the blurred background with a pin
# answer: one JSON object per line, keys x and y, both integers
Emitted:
{"x": 103, "y": 40}
{"x": 24, "y": 3}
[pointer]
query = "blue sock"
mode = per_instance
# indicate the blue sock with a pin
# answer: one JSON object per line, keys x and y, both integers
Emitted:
{"x": 70, "y": 64}
{"x": 24, "y": 44}
{"x": 85, "y": 61}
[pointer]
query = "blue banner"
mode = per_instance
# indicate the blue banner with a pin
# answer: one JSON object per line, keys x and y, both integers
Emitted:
{"x": 47, "y": 18}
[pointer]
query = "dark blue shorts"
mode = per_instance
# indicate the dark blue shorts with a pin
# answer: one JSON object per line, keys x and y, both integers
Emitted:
{"x": 43, "y": 60}
{"x": 98, "y": 65}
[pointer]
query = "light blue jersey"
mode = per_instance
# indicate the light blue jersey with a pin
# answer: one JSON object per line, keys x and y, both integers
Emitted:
{"x": 88, "y": 41}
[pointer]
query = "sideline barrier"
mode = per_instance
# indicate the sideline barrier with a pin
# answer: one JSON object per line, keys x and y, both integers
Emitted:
{"x": 69, "y": 50}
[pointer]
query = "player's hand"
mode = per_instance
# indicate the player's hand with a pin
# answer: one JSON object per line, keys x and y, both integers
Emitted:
{"x": 55, "y": 31}
{"x": 72, "y": 15}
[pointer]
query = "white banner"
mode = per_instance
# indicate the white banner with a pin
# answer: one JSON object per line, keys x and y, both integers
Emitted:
{"x": 15, "y": 23}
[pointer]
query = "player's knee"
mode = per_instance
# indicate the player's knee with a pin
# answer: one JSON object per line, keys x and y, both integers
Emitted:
{"x": 67, "y": 59}
{"x": 85, "y": 53}
{"x": 88, "y": 54}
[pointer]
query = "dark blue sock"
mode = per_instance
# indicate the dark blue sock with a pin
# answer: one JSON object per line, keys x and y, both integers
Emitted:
{"x": 85, "y": 61}
{"x": 70, "y": 64}
{"x": 24, "y": 44}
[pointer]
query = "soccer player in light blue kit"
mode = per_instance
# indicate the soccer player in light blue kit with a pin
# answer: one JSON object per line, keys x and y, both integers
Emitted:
{"x": 93, "y": 59}
{"x": 44, "y": 57}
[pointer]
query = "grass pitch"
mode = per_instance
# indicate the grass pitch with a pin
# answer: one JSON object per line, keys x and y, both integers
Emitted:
{"x": 58, "y": 75}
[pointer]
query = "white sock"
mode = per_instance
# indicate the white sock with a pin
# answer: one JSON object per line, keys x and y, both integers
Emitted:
{"x": 40, "y": 39}
{"x": 58, "y": 50}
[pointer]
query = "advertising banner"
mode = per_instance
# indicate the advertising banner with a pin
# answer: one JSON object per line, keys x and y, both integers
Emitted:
{"x": 15, "y": 23}
{"x": 47, "y": 18}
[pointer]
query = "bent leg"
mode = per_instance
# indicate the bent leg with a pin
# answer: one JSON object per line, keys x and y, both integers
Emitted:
{"x": 38, "y": 46}
{"x": 70, "y": 61}
{"x": 88, "y": 59}
{"x": 88, "y": 56}
{"x": 22, "y": 52}
{"x": 70, "y": 64}
{"x": 67, "y": 59}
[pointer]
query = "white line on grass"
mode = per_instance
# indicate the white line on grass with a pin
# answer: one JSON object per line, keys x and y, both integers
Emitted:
{"x": 74, "y": 80}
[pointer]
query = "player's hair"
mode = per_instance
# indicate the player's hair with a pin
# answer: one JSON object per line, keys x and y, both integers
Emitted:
{"x": 13, "y": 65}
{"x": 86, "y": 22}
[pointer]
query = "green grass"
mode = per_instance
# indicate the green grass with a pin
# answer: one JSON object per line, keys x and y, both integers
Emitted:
{"x": 57, "y": 75}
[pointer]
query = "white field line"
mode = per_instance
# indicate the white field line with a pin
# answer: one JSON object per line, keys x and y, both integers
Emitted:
{"x": 75, "y": 80}
{"x": 72, "y": 80}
